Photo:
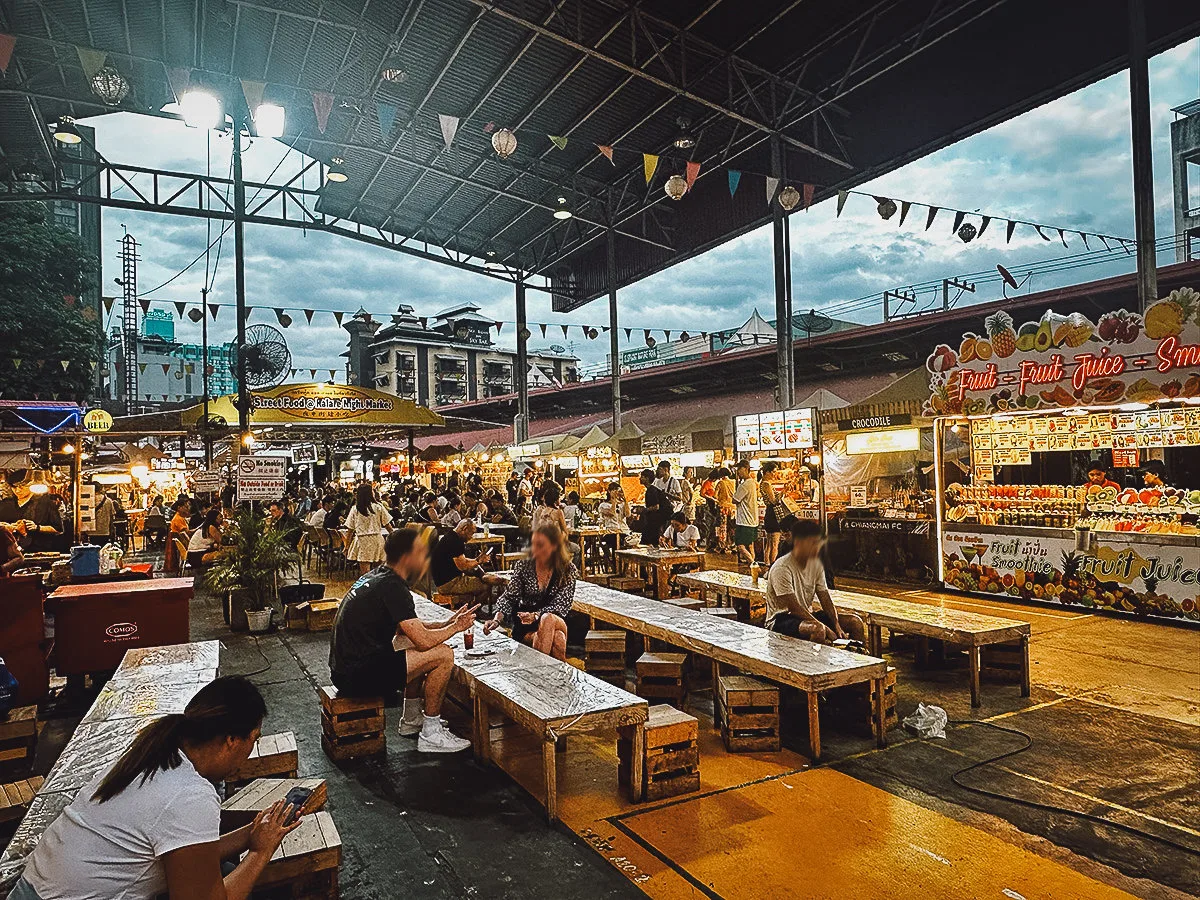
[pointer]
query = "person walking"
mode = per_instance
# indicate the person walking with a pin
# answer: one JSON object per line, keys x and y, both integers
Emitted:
{"x": 368, "y": 522}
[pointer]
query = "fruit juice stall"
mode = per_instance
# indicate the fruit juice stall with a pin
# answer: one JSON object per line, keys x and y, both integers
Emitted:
{"x": 789, "y": 438}
{"x": 1025, "y": 413}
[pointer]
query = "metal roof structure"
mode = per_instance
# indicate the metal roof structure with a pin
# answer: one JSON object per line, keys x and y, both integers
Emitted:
{"x": 843, "y": 91}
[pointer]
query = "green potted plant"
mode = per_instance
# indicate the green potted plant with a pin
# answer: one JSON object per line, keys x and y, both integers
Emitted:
{"x": 254, "y": 555}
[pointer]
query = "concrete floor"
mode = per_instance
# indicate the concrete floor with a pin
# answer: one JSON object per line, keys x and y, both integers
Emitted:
{"x": 1115, "y": 722}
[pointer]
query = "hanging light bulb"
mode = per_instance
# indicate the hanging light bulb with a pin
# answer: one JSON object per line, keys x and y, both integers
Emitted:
{"x": 650, "y": 341}
{"x": 967, "y": 233}
{"x": 684, "y": 336}
{"x": 789, "y": 198}
{"x": 65, "y": 131}
{"x": 684, "y": 140}
{"x": 562, "y": 212}
{"x": 336, "y": 171}
{"x": 195, "y": 314}
{"x": 676, "y": 187}
{"x": 392, "y": 68}
{"x": 201, "y": 109}
{"x": 268, "y": 120}
{"x": 504, "y": 142}
{"x": 886, "y": 207}
{"x": 110, "y": 85}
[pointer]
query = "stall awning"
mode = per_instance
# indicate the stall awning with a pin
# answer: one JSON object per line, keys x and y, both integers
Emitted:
{"x": 904, "y": 396}
{"x": 321, "y": 405}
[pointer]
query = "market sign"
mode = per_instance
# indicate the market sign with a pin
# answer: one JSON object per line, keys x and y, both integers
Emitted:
{"x": 320, "y": 404}
{"x": 891, "y": 440}
{"x": 666, "y": 444}
{"x": 790, "y": 429}
{"x": 304, "y": 453}
{"x": 261, "y": 477}
{"x": 97, "y": 421}
{"x": 206, "y": 481}
{"x": 1068, "y": 361}
{"x": 866, "y": 422}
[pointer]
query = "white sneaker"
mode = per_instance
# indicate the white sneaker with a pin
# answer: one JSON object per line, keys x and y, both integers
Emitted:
{"x": 412, "y": 729}
{"x": 441, "y": 740}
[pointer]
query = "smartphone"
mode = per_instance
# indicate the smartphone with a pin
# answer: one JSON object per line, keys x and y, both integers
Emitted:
{"x": 297, "y": 797}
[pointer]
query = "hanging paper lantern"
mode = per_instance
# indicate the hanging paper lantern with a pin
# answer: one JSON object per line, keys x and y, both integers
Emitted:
{"x": 504, "y": 142}
{"x": 886, "y": 208}
{"x": 676, "y": 187}
{"x": 650, "y": 342}
{"x": 195, "y": 314}
{"x": 592, "y": 333}
{"x": 683, "y": 336}
{"x": 967, "y": 233}
{"x": 110, "y": 85}
{"x": 789, "y": 198}
{"x": 526, "y": 334}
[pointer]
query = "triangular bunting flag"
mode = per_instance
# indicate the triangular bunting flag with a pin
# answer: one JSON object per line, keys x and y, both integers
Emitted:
{"x": 1012, "y": 226}
{"x": 142, "y": 367}
{"x": 499, "y": 325}
{"x": 164, "y": 396}
{"x": 807, "y": 192}
{"x": 564, "y": 330}
{"x": 253, "y": 92}
{"x": 91, "y": 60}
{"x": 692, "y": 172}
{"x": 144, "y": 303}
{"x": 959, "y": 215}
{"x": 89, "y": 313}
{"x": 68, "y": 300}
{"x": 180, "y": 308}
{"x": 543, "y": 327}
{"x": 1104, "y": 242}
{"x": 1041, "y": 234}
{"x": 16, "y": 362}
{"x": 108, "y": 304}
{"x": 322, "y": 105}
{"x": 1062, "y": 237}
{"x": 489, "y": 127}
{"x": 607, "y": 151}
{"x": 558, "y": 141}
{"x": 166, "y": 367}
{"x": 190, "y": 368}
{"x": 905, "y": 206}
{"x": 312, "y": 373}
{"x": 772, "y": 187}
{"x": 332, "y": 374}
{"x": 387, "y": 117}
{"x": 649, "y": 164}
{"x": 933, "y": 211}
{"x": 667, "y": 335}
{"x": 735, "y": 178}
{"x": 424, "y": 320}
{"x": 987, "y": 220}
{"x": 179, "y": 79}
{"x": 338, "y": 318}
{"x": 628, "y": 333}
{"x": 704, "y": 335}
{"x": 282, "y": 317}
{"x": 1085, "y": 241}
{"x": 65, "y": 363}
{"x": 842, "y": 196}
{"x": 646, "y": 335}
{"x": 212, "y": 310}
{"x": 249, "y": 309}
{"x": 7, "y": 42}
{"x": 308, "y": 314}
{"x": 449, "y": 128}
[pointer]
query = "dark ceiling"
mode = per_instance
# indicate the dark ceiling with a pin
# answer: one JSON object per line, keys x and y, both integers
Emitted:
{"x": 847, "y": 88}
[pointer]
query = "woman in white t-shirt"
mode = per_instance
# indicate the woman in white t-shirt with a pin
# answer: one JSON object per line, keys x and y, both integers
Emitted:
{"x": 150, "y": 825}
{"x": 368, "y": 522}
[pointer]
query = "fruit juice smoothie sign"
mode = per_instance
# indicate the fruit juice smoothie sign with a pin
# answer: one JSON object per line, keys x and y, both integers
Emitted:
{"x": 1143, "y": 578}
{"x": 1068, "y": 361}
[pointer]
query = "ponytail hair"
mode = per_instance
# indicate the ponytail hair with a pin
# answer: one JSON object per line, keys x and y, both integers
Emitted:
{"x": 228, "y": 707}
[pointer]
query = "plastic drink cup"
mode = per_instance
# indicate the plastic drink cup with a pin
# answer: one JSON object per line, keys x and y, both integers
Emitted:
{"x": 469, "y": 639}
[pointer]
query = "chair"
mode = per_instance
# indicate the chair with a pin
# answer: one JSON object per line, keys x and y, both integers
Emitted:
{"x": 180, "y": 554}
{"x": 323, "y": 543}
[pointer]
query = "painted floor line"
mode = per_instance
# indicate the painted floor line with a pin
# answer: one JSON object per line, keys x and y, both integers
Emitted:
{"x": 683, "y": 873}
{"x": 1017, "y": 712}
{"x": 688, "y": 798}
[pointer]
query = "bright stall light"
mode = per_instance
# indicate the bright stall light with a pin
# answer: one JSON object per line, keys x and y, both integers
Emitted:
{"x": 201, "y": 109}
{"x": 268, "y": 120}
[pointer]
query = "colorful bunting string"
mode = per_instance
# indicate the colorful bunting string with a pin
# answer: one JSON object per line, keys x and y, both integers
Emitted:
{"x": 449, "y": 128}
{"x": 322, "y": 106}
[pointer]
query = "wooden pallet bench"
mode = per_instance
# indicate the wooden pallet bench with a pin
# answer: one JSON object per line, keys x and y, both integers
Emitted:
{"x": 273, "y": 756}
{"x": 662, "y": 676}
{"x": 351, "y": 726}
{"x": 854, "y": 705}
{"x": 748, "y": 711}
{"x": 604, "y": 656}
{"x": 671, "y": 762}
{"x": 243, "y": 806}
{"x": 305, "y": 867}
{"x": 18, "y": 738}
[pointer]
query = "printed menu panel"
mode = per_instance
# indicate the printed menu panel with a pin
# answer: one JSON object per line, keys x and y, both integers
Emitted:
{"x": 745, "y": 431}
{"x": 798, "y": 428}
{"x": 770, "y": 431}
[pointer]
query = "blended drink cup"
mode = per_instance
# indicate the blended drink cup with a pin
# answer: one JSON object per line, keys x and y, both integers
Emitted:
{"x": 469, "y": 639}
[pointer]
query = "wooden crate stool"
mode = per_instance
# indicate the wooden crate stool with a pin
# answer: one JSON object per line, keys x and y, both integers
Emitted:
{"x": 18, "y": 737}
{"x": 16, "y": 797}
{"x": 661, "y": 676}
{"x": 273, "y": 756}
{"x": 672, "y": 761}
{"x": 244, "y": 805}
{"x": 351, "y": 726}
{"x": 855, "y": 704}
{"x": 322, "y": 614}
{"x": 604, "y": 656}
{"x": 749, "y": 714}
{"x": 627, "y": 583}
{"x": 1002, "y": 662}
{"x": 306, "y": 864}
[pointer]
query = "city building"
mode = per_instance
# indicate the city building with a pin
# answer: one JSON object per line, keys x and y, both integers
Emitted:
{"x": 1185, "y": 169}
{"x": 169, "y": 371}
{"x": 445, "y": 359}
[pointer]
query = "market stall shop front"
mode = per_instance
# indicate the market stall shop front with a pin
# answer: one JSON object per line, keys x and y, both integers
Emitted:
{"x": 1068, "y": 459}
{"x": 790, "y": 439}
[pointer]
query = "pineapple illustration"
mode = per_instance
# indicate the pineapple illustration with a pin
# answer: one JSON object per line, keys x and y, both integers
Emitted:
{"x": 1004, "y": 337}
{"x": 1070, "y": 578}
{"x": 1167, "y": 317}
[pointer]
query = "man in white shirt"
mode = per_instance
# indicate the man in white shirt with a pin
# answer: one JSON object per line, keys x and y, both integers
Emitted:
{"x": 669, "y": 485}
{"x": 795, "y": 580}
{"x": 745, "y": 520}
{"x": 316, "y": 518}
{"x": 680, "y": 535}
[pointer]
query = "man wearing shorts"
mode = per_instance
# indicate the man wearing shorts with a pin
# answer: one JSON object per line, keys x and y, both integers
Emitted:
{"x": 794, "y": 581}
{"x": 379, "y": 609}
{"x": 745, "y": 521}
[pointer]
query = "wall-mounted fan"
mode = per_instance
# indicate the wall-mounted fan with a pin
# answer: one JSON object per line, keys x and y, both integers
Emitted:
{"x": 268, "y": 359}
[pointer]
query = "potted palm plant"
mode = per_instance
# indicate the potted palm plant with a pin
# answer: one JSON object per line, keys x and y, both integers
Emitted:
{"x": 246, "y": 572}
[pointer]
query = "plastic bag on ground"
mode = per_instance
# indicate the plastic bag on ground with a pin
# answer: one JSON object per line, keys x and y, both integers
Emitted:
{"x": 927, "y": 721}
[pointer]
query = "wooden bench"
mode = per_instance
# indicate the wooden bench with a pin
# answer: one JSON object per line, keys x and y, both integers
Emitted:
{"x": 780, "y": 659}
{"x": 18, "y": 738}
{"x": 350, "y": 726}
{"x": 671, "y": 763}
{"x": 542, "y": 695}
{"x": 685, "y": 602}
{"x": 305, "y": 866}
{"x": 16, "y": 797}
{"x": 243, "y": 806}
{"x": 273, "y": 756}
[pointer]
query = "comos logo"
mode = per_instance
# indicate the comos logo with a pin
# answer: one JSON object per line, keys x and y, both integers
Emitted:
{"x": 121, "y": 629}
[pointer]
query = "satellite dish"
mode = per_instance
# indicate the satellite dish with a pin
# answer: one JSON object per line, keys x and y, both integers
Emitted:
{"x": 812, "y": 322}
{"x": 557, "y": 348}
{"x": 1007, "y": 276}
{"x": 212, "y": 426}
{"x": 267, "y": 357}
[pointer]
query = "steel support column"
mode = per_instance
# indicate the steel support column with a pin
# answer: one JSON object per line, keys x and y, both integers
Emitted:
{"x": 614, "y": 344}
{"x": 521, "y": 375}
{"x": 1143, "y": 161}
{"x": 204, "y": 374}
{"x": 412, "y": 456}
{"x": 239, "y": 274}
{"x": 784, "y": 365}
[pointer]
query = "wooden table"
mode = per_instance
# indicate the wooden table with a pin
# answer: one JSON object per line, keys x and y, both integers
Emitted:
{"x": 594, "y": 534}
{"x": 550, "y": 698}
{"x": 723, "y": 586}
{"x": 661, "y": 562}
{"x": 924, "y": 620}
{"x": 785, "y": 660}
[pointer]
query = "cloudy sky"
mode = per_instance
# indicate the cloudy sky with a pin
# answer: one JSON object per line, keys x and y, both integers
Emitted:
{"x": 1066, "y": 163}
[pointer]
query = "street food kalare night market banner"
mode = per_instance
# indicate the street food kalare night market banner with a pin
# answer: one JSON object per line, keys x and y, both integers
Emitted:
{"x": 1062, "y": 361}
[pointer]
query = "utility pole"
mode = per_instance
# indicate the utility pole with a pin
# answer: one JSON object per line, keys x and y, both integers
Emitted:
{"x": 129, "y": 319}
{"x": 784, "y": 362}
{"x": 614, "y": 344}
{"x": 204, "y": 371}
{"x": 1143, "y": 159}
{"x": 521, "y": 376}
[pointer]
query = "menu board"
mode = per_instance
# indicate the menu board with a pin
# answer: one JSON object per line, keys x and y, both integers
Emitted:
{"x": 786, "y": 430}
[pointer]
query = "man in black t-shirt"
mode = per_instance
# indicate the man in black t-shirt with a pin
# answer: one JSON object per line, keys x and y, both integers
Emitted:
{"x": 656, "y": 510}
{"x": 456, "y": 573}
{"x": 379, "y": 609}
